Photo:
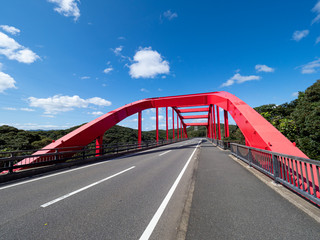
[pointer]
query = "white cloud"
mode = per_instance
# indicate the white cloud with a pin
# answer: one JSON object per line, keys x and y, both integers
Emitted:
{"x": 9, "y": 108}
{"x": 98, "y": 101}
{"x": 27, "y": 109}
{"x": 85, "y": 77}
{"x": 6, "y": 82}
{"x": 148, "y": 64}
{"x": 144, "y": 90}
{"x": 317, "y": 40}
{"x": 121, "y": 38}
{"x": 14, "y": 51}
{"x": 48, "y": 116}
{"x": 68, "y": 8}
{"x": 295, "y": 94}
{"x": 160, "y": 118}
{"x": 263, "y": 68}
{"x": 15, "y": 109}
{"x": 58, "y": 103}
{"x": 298, "y": 35}
{"x": 117, "y": 51}
{"x": 35, "y": 126}
{"x": 108, "y": 70}
{"x": 170, "y": 15}
{"x": 96, "y": 113}
{"x": 311, "y": 67}
{"x": 10, "y": 29}
{"x": 316, "y": 9}
{"x": 237, "y": 78}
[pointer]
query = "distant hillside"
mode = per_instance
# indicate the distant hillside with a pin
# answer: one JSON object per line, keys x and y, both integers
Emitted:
{"x": 12, "y": 138}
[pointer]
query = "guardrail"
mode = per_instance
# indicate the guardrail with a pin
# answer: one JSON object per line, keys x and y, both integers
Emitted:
{"x": 9, "y": 160}
{"x": 298, "y": 174}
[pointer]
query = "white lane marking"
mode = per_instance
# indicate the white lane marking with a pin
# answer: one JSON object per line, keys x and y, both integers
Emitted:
{"x": 51, "y": 175}
{"x": 165, "y": 153}
{"x": 84, "y": 188}
{"x": 79, "y": 168}
{"x": 152, "y": 224}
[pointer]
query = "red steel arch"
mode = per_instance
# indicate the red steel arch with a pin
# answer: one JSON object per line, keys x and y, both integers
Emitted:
{"x": 259, "y": 133}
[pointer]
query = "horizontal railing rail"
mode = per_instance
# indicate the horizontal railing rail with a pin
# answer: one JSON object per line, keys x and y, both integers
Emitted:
{"x": 223, "y": 144}
{"x": 298, "y": 174}
{"x": 26, "y": 159}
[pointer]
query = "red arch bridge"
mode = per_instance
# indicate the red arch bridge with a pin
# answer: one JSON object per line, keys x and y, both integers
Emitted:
{"x": 265, "y": 145}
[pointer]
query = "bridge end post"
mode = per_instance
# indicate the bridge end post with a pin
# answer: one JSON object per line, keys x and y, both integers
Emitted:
{"x": 218, "y": 120}
{"x": 167, "y": 133}
{"x": 157, "y": 125}
{"x": 99, "y": 146}
{"x": 214, "y": 122}
{"x": 139, "y": 128}
{"x": 226, "y": 124}
{"x": 173, "y": 137}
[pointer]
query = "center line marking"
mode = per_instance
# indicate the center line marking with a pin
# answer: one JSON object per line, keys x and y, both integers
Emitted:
{"x": 84, "y": 188}
{"x": 152, "y": 224}
{"x": 164, "y": 153}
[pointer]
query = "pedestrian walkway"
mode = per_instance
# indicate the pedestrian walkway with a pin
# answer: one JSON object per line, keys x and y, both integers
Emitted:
{"x": 229, "y": 202}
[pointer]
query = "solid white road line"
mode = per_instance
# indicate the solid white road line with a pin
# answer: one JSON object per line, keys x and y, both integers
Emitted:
{"x": 51, "y": 175}
{"x": 165, "y": 153}
{"x": 84, "y": 188}
{"x": 152, "y": 224}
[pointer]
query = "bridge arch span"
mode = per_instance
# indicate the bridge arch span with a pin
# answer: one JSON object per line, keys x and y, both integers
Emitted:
{"x": 259, "y": 133}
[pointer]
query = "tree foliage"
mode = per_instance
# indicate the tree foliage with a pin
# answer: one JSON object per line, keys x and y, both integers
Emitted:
{"x": 298, "y": 120}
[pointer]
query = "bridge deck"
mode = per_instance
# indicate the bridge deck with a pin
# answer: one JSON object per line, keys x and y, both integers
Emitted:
{"x": 229, "y": 202}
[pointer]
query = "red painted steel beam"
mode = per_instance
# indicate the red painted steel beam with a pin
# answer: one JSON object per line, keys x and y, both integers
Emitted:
{"x": 214, "y": 122}
{"x": 173, "y": 123}
{"x": 157, "y": 124}
{"x": 191, "y": 110}
{"x": 194, "y": 116}
{"x": 197, "y": 124}
{"x": 177, "y": 126}
{"x": 167, "y": 130}
{"x": 209, "y": 125}
{"x": 218, "y": 121}
{"x": 99, "y": 143}
{"x": 139, "y": 127}
{"x": 226, "y": 124}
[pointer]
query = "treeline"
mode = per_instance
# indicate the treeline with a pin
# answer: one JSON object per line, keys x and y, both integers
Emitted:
{"x": 298, "y": 120}
{"x": 12, "y": 139}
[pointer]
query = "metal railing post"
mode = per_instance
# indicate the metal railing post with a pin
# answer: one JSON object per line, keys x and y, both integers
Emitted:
{"x": 56, "y": 155}
{"x": 250, "y": 157}
{"x": 83, "y": 153}
{"x": 275, "y": 168}
{"x": 237, "y": 151}
{"x": 11, "y": 164}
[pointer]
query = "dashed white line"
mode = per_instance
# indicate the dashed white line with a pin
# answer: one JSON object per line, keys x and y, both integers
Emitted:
{"x": 84, "y": 188}
{"x": 152, "y": 224}
{"x": 164, "y": 153}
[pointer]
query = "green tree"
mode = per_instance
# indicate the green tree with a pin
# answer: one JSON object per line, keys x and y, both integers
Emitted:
{"x": 307, "y": 118}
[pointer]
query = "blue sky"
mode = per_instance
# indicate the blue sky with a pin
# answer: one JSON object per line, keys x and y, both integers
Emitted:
{"x": 66, "y": 62}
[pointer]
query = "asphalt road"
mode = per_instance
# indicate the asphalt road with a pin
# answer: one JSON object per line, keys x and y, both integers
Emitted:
{"x": 123, "y": 198}
{"x": 229, "y": 202}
